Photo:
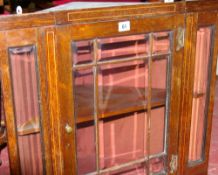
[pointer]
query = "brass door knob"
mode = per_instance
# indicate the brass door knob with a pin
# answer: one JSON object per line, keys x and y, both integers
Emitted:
{"x": 68, "y": 129}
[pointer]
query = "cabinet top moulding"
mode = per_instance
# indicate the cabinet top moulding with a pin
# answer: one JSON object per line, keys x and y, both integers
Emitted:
{"x": 80, "y": 12}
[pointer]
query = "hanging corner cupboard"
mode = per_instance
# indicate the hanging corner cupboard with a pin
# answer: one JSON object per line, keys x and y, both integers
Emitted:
{"x": 108, "y": 88}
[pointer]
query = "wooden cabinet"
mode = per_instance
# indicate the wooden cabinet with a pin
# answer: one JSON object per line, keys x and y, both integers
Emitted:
{"x": 104, "y": 88}
{"x": 198, "y": 98}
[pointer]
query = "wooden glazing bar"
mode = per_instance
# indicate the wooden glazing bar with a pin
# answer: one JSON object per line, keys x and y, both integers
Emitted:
{"x": 154, "y": 57}
{"x": 168, "y": 92}
{"x": 149, "y": 100}
{"x": 124, "y": 165}
{"x": 96, "y": 97}
{"x": 82, "y": 66}
{"x": 145, "y": 127}
{"x": 145, "y": 138}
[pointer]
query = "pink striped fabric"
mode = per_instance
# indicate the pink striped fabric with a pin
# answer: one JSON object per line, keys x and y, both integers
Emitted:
{"x": 124, "y": 138}
{"x": 26, "y": 108}
{"x": 200, "y": 87}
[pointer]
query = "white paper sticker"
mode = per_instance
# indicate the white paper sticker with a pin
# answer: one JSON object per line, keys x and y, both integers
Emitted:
{"x": 168, "y": 1}
{"x": 124, "y": 26}
{"x": 19, "y": 10}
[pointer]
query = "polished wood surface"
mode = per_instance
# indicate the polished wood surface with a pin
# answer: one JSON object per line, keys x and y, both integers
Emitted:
{"x": 194, "y": 21}
{"x": 52, "y": 34}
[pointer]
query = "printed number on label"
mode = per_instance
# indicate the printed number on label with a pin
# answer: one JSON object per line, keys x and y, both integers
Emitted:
{"x": 168, "y": 0}
{"x": 124, "y": 26}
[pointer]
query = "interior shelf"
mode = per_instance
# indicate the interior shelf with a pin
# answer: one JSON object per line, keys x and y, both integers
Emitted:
{"x": 115, "y": 100}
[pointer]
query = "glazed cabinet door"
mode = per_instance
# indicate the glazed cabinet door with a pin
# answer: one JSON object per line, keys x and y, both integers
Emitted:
{"x": 199, "y": 87}
{"x": 24, "y": 90}
{"x": 119, "y": 94}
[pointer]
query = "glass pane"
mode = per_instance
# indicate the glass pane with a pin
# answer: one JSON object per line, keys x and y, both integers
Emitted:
{"x": 200, "y": 94}
{"x": 85, "y": 130}
{"x": 122, "y": 103}
{"x": 158, "y": 103}
{"x": 25, "y": 92}
{"x": 82, "y": 52}
{"x": 161, "y": 43}
{"x": 124, "y": 47}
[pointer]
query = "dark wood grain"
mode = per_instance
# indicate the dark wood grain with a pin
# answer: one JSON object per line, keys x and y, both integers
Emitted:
{"x": 45, "y": 113}
{"x": 201, "y": 5}
{"x": 115, "y": 13}
{"x": 53, "y": 32}
{"x": 65, "y": 89}
{"x": 187, "y": 90}
{"x": 148, "y": 24}
{"x": 194, "y": 21}
{"x": 8, "y": 108}
{"x": 26, "y": 21}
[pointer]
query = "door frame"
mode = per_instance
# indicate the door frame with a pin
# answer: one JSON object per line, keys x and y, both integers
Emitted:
{"x": 194, "y": 20}
{"x": 21, "y": 38}
{"x": 82, "y": 31}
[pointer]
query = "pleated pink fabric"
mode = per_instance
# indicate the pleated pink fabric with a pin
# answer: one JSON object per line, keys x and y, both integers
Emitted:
{"x": 200, "y": 93}
{"x": 123, "y": 138}
{"x": 24, "y": 79}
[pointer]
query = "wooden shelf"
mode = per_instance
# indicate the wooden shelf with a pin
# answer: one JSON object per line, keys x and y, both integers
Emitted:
{"x": 115, "y": 100}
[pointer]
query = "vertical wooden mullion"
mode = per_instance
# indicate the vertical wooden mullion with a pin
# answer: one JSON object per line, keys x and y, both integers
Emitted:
{"x": 145, "y": 137}
{"x": 149, "y": 100}
{"x": 176, "y": 62}
{"x": 44, "y": 106}
{"x": 185, "y": 90}
{"x": 96, "y": 102}
{"x": 54, "y": 109}
{"x": 66, "y": 93}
